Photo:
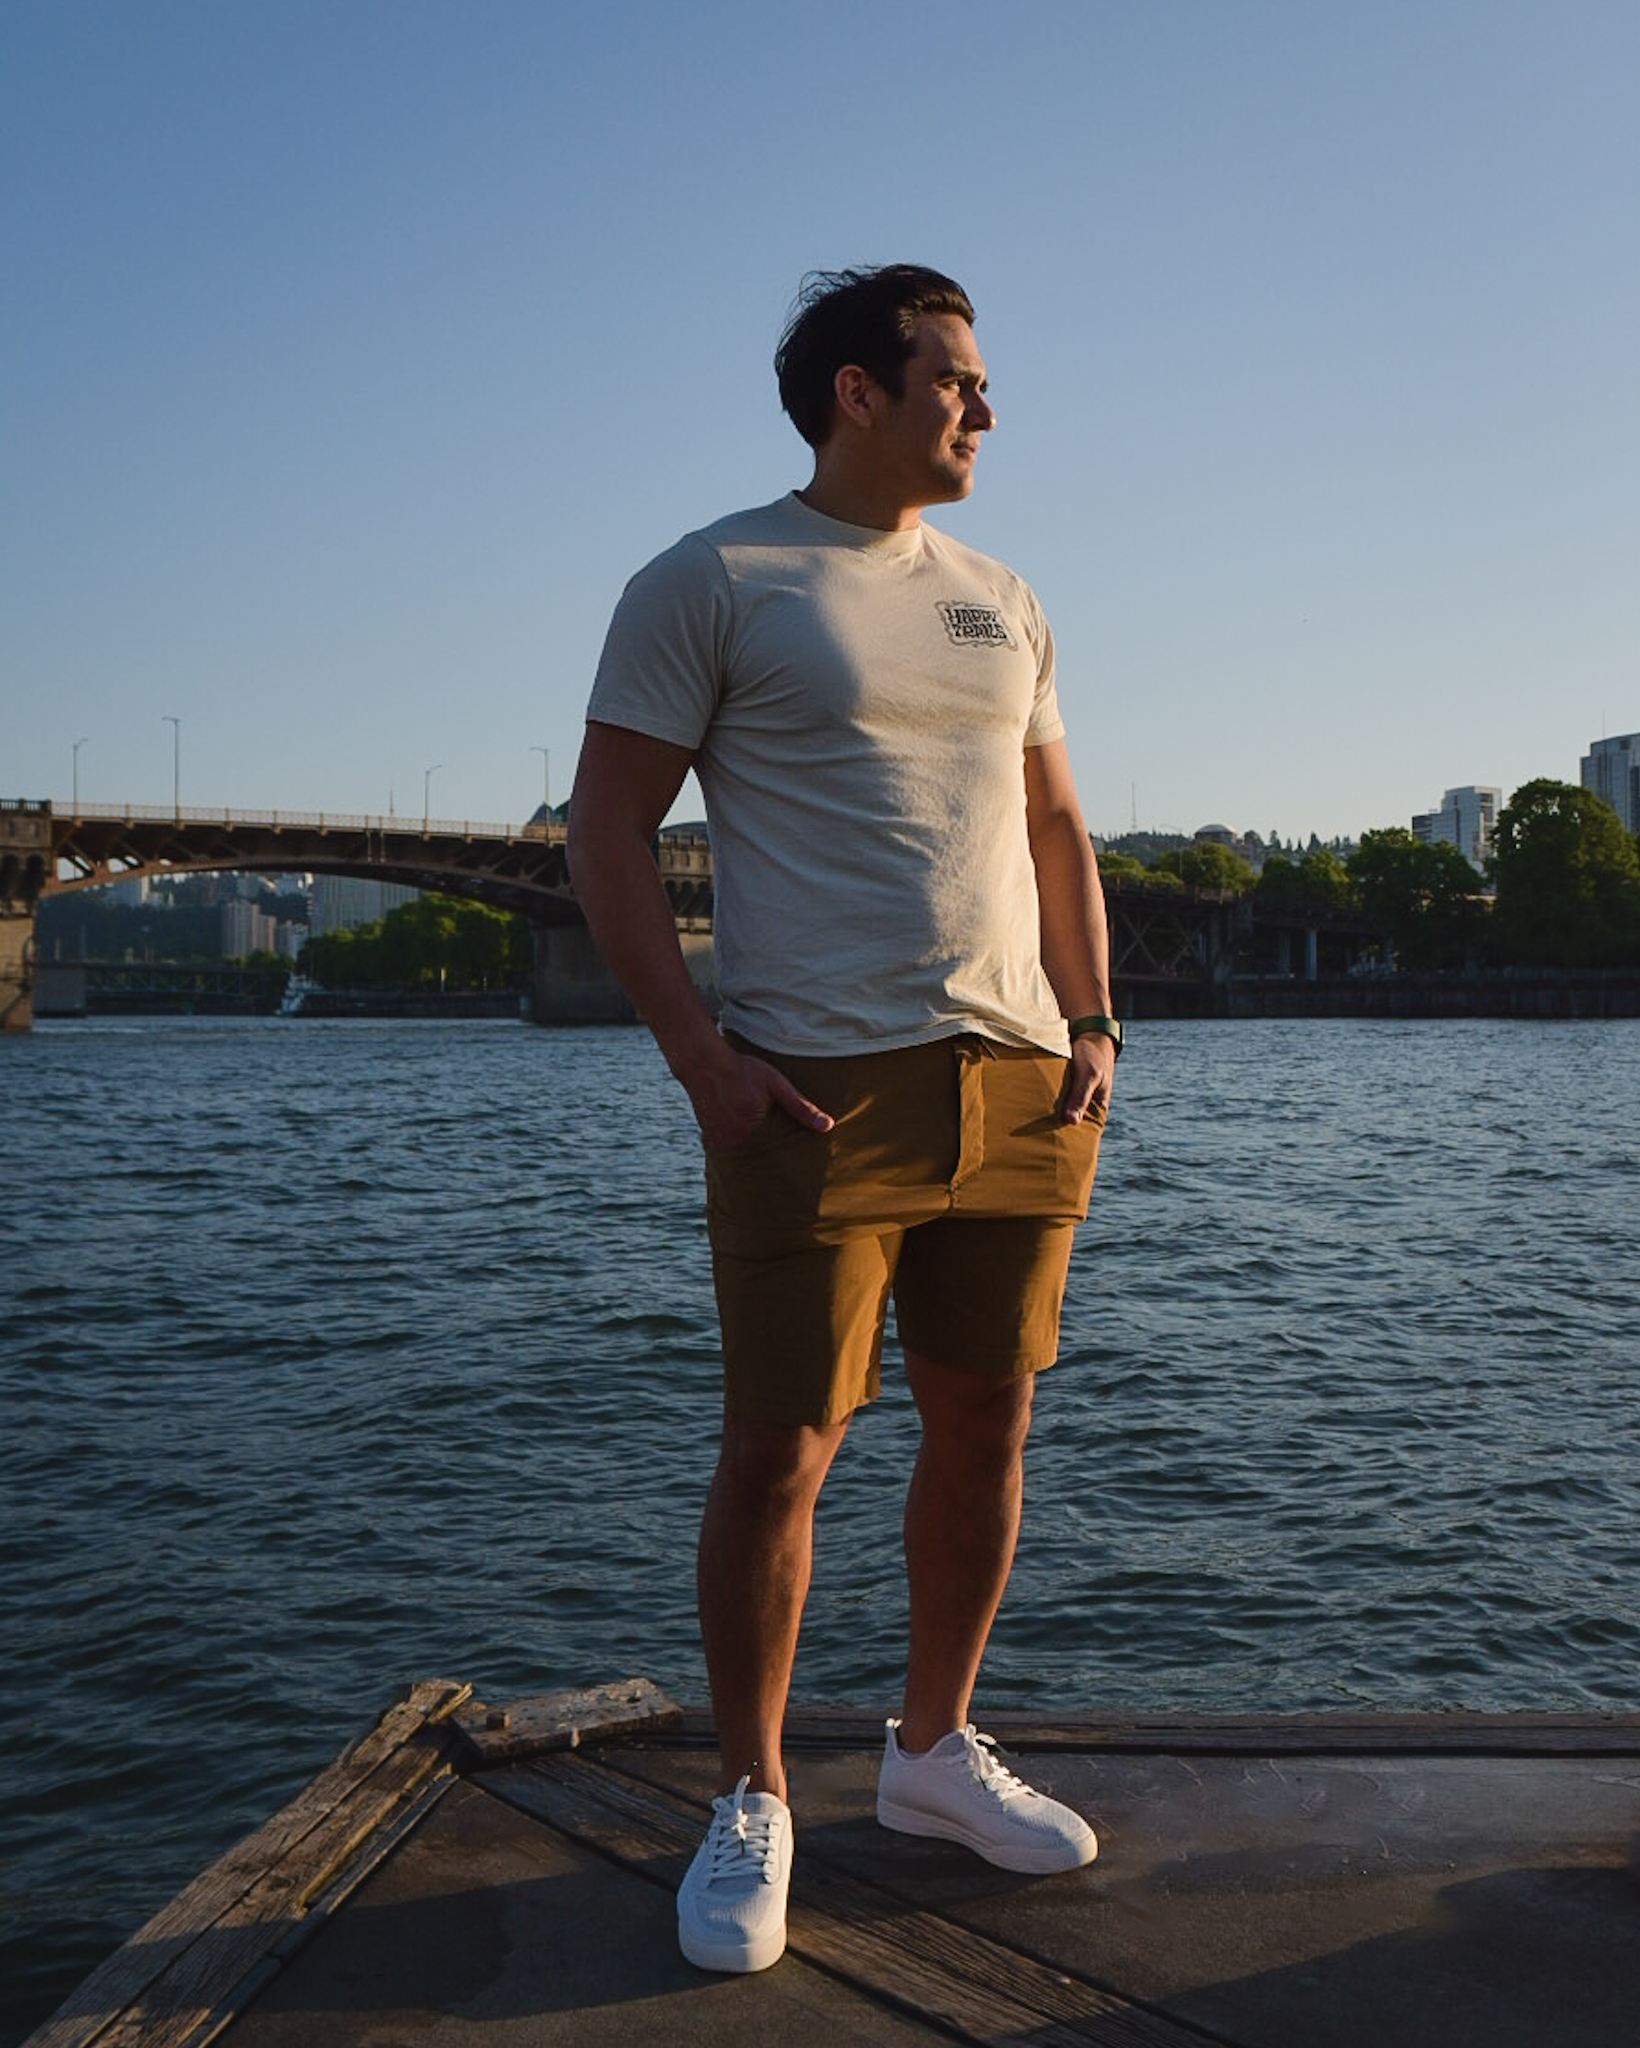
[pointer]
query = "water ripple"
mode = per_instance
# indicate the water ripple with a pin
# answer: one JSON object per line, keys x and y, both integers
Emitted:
{"x": 339, "y": 1354}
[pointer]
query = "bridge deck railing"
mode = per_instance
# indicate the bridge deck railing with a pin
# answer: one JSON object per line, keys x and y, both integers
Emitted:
{"x": 323, "y": 821}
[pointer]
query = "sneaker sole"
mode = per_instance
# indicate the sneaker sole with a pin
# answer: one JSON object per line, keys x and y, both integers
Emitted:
{"x": 1032, "y": 1861}
{"x": 733, "y": 1958}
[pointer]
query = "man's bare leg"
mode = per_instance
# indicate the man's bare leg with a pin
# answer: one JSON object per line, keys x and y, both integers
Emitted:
{"x": 961, "y": 1524}
{"x": 756, "y": 1547}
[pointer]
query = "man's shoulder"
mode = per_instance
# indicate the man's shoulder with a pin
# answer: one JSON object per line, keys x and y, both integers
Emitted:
{"x": 703, "y": 556}
{"x": 757, "y": 524}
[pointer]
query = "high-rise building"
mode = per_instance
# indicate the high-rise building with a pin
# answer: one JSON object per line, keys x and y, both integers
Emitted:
{"x": 1611, "y": 768}
{"x": 246, "y": 930}
{"x": 339, "y": 902}
{"x": 1467, "y": 819}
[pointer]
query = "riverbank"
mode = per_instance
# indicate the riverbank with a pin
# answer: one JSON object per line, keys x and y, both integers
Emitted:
{"x": 1503, "y": 993}
{"x": 69, "y": 991}
{"x": 75, "y": 990}
{"x": 345, "y": 1002}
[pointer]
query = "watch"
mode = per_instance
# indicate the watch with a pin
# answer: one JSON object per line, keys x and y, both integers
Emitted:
{"x": 1108, "y": 1027}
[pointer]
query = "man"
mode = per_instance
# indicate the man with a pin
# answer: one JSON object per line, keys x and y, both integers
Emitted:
{"x": 907, "y": 912}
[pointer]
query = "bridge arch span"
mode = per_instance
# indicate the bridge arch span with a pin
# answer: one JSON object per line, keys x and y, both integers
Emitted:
{"x": 44, "y": 852}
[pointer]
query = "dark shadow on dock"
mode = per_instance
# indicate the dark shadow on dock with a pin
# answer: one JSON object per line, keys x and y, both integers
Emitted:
{"x": 1323, "y": 1882}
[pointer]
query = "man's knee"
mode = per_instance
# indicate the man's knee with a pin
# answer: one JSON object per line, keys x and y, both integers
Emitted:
{"x": 980, "y": 1416}
{"x": 773, "y": 1467}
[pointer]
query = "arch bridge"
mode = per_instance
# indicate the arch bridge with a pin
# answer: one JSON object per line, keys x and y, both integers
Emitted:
{"x": 1173, "y": 951}
{"x": 45, "y": 851}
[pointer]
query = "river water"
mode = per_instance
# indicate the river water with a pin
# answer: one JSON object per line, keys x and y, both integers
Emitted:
{"x": 334, "y": 1355}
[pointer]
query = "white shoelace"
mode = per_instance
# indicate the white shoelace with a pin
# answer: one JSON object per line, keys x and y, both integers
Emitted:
{"x": 742, "y": 1843}
{"x": 988, "y": 1768}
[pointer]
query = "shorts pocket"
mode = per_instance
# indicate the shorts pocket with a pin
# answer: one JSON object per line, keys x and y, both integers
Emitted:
{"x": 763, "y": 1194}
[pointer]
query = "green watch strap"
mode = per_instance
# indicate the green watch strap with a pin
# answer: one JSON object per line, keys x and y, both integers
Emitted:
{"x": 1107, "y": 1027}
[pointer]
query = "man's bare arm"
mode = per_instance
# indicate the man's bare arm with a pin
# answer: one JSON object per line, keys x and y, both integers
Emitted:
{"x": 624, "y": 786}
{"x": 1075, "y": 944}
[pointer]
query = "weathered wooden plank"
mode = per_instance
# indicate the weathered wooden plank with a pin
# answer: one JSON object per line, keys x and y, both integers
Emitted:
{"x": 219, "y": 2015}
{"x": 287, "y": 1860}
{"x": 1456, "y": 1734}
{"x": 882, "y": 1945}
{"x": 542, "y": 1722}
{"x": 209, "y": 1980}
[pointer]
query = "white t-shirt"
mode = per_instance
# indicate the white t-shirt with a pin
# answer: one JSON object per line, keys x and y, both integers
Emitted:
{"x": 858, "y": 704}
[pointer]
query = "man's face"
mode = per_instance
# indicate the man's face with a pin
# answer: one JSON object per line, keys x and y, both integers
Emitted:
{"x": 928, "y": 437}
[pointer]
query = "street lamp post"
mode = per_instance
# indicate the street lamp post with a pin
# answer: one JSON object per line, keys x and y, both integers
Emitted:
{"x": 176, "y": 762}
{"x": 77, "y": 746}
{"x": 427, "y": 796}
{"x": 546, "y": 781}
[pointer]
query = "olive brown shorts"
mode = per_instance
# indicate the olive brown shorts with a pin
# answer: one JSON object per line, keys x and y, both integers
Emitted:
{"x": 946, "y": 1181}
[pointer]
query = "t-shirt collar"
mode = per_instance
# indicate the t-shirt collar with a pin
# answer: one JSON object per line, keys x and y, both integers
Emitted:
{"x": 842, "y": 533}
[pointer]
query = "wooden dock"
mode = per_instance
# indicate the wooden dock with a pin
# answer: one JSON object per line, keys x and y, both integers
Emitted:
{"x": 464, "y": 1877}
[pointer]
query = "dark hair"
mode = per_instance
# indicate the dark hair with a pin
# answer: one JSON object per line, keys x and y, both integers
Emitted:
{"x": 855, "y": 316}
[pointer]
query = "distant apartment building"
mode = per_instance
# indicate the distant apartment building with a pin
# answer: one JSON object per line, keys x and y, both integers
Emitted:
{"x": 247, "y": 930}
{"x": 1467, "y": 819}
{"x": 340, "y": 902}
{"x": 1611, "y": 768}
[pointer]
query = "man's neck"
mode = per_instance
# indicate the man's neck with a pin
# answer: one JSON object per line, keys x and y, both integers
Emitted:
{"x": 853, "y": 501}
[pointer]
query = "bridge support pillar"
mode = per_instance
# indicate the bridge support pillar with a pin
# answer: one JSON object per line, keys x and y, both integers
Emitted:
{"x": 25, "y": 848}
{"x": 16, "y": 971}
{"x": 571, "y": 985}
{"x": 1312, "y": 945}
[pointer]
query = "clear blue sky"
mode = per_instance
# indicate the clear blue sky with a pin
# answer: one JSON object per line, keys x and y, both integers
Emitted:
{"x": 355, "y": 353}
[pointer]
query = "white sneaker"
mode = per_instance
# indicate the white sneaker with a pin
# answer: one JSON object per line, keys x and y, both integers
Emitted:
{"x": 960, "y": 1791}
{"x": 732, "y": 1902}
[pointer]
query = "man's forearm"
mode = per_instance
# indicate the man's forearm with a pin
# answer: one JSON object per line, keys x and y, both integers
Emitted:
{"x": 619, "y": 888}
{"x": 621, "y": 893}
{"x": 1075, "y": 939}
{"x": 1075, "y": 945}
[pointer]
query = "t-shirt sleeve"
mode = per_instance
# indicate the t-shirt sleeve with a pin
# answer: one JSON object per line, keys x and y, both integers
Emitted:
{"x": 1045, "y": 721}
{"x": 661, "y": 669}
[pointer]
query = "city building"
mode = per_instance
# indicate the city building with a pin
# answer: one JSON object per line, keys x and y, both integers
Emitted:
{"x": 1611, "y": 768}
{"x": 247, "y": 930}
{"x": 1250, "y": 850}
{"x": 1467, "y": 819}
{"x": 341, "y": 902}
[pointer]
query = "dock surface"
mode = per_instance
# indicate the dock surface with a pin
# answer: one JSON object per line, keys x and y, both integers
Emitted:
{"x": 1309, "y": 1882}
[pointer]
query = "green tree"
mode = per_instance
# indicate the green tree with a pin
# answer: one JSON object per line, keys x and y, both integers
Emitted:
{"x": 343, "y": 959}
{"x": 431, "y": 942}
{"x": 1568, "y": 879}
{"x": 1319, "y": 878}
{"x": 1121, "y": 867}
{"x": 1427, "y": 899}
{"x": 419, "y": 943}
{"x": 1204, "y": 864}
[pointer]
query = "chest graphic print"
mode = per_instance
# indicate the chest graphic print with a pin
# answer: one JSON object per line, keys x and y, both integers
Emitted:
{"x": 974, "y": 625}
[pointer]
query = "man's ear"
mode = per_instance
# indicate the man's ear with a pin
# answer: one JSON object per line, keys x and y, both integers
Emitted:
{"x": 856, "y": 392}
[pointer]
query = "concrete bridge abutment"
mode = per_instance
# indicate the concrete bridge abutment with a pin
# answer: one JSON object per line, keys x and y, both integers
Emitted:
{"x": 25, "y": 863}
{"x": 570, "y": 984}
{"x": 16, "y": 971}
